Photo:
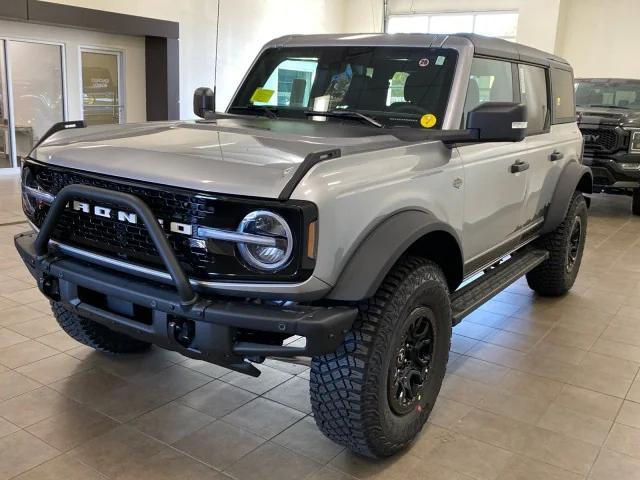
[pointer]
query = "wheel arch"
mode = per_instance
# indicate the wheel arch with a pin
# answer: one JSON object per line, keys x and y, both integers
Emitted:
{"x": 413, "y": 232}
{"x": 574, "y": 177}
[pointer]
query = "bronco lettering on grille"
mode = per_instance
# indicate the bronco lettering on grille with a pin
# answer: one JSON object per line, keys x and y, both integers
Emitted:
{"x": 128, "y": 217}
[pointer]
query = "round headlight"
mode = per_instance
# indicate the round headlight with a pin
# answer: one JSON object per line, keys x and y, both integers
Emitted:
{"x": 273, "y": 250}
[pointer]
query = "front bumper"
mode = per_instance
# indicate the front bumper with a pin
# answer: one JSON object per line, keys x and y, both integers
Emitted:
{"x": 221, "y": 330}
{"x": 215, "y": 329}
{"x": 608, "y": 171}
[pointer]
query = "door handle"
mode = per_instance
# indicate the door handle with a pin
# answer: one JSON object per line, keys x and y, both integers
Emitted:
{"x": 556, "y": 155}
{"x": 519, "y": 166}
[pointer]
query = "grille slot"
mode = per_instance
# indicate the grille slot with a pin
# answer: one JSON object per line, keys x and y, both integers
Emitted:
{"x": 600, "y": 139}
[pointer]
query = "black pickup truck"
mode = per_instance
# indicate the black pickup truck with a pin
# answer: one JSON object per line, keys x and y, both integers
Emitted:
{"x": 609, "y": 119}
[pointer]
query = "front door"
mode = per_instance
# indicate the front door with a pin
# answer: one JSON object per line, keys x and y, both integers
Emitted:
{"x": 496, "y": 174}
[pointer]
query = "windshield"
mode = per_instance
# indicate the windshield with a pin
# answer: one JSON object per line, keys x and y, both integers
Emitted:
{"x": 394, "y": 86}
{"x": 608, "y": 93}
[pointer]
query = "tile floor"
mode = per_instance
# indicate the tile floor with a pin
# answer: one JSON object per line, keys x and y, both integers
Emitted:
{"x": 536, "y": 388}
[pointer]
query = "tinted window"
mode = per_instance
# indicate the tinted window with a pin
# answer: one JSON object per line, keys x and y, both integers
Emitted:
{"x": 490, "y": 81}
{"x": 396, "y": 86}
{"x": 608, "y": 93}
{"x": 564, "y": 108}
{"x": 533, "y": 93}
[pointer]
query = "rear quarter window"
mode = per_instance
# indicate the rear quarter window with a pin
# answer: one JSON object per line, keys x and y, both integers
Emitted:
{"x": 563, "y": 104}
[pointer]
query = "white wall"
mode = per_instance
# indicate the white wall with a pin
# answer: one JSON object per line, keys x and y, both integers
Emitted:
{"x": 600, "y": 38}
{"x": 246, "y": 25}
{"x": 133, "y": 52}
{"x": 363, "y": 16}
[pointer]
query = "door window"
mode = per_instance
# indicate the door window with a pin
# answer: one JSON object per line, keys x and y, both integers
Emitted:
{"x": 533, "y": 93}
{"x": 490, "y": 81}
{"x": 564, "y": 106}
{"x": 101, "y": 96}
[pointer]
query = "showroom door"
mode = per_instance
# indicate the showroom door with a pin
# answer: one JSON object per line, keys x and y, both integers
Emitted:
{"x": 102, "y": 99}
{"x": 35, "y": 93}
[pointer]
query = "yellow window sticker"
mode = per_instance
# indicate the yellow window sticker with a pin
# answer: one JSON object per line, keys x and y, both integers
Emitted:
{"x": 428, "y": 120}
{"x": 262, "y": 95}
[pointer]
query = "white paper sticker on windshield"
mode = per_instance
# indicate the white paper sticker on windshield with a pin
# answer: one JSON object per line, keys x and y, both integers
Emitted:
{"x": 440, "y": 60}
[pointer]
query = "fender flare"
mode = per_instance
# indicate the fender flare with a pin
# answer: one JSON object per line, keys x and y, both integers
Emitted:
{"x": 569, "y": 181}
{"x": 380, "y": 250}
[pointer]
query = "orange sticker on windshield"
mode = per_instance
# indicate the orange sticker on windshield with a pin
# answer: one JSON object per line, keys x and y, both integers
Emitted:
{"x": 428, "y": 120}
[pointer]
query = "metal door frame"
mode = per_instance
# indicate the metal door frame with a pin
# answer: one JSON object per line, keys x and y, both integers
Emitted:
{"x": 6, "y": 53}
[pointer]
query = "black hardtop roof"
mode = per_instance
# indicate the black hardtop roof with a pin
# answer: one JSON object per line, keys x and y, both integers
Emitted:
{"x": 487, "y": 46}
{"x": 497, "y": 47}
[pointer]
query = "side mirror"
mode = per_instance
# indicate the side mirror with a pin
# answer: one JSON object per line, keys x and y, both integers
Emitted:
{"x": 204, "y": 100}
{"x": 498, "y": 121}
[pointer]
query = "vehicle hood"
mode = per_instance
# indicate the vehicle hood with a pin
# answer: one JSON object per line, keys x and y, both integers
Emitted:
{"x": 236, "y": 155}
{"x": 608, "y": 116}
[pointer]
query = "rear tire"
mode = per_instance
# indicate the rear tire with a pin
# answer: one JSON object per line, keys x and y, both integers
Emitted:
{"x": 635, "y": 204}
{"x": 95, "y": 335}
{"x": 556, "y": 275}
{"x": 374, "y": 394}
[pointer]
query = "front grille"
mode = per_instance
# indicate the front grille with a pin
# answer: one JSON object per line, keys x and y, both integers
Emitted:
{"x": 600, "y": 139}
{"x": 200, "y": 258}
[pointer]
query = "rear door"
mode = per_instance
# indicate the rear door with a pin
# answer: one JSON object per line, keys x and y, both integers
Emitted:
{"x": 495, "y": 178}
{"x": 552, "y": 139}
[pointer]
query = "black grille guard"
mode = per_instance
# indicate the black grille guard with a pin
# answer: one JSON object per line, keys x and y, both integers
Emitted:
{"x": 187, "y": 296}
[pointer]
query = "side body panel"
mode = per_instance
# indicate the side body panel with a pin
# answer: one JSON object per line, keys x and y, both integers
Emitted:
{"x": 355, "y": 194}
{"x": 493, "y": 198}
{"x": 540, "y": 151}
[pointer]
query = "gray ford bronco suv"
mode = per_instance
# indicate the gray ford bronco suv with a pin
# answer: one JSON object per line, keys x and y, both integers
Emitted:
{"x": 362, "y": 193}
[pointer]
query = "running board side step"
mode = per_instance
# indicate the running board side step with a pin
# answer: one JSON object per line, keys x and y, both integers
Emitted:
{"x": 493, "y": 281}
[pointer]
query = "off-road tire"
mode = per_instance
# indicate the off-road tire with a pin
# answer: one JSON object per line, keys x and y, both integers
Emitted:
{"x": 349, "y": 397}
{"x": 95, "y": 335}
{"x": 635, "y": 203}
{"x": 554, "y": 277}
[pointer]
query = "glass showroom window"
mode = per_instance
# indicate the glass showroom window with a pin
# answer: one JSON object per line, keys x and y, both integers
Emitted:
{"x": 493, "y": 24}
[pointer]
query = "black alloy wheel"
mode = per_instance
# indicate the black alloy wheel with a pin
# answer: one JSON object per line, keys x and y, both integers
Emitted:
{"x": 410, "y": 371}
{"x": 575, "y": 239}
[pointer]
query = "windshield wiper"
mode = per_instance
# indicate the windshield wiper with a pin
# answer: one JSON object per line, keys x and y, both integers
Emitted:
{"x": 609, "y": 106}
{"x": 345, "y": 114}
{"x": 265, "y": 109}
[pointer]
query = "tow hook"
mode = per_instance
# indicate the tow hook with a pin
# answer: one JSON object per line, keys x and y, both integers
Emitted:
{"x": 182, "y": 331}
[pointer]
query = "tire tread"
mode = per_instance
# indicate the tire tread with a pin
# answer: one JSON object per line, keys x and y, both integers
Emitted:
{"x": 95, "y": 335}
{"x": 344, "y": 409}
